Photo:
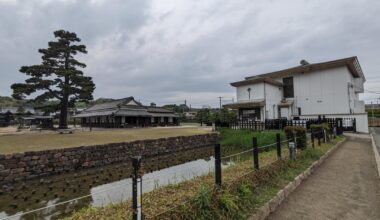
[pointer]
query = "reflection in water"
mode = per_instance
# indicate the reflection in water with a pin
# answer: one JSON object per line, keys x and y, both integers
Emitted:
{"x": 99, "y": 186}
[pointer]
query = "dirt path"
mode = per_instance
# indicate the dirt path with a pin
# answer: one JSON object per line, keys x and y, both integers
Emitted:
{"x": 345, "y": 186}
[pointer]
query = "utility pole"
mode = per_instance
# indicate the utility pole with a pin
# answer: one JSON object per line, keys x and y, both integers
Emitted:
{"x": 220, "y": 102}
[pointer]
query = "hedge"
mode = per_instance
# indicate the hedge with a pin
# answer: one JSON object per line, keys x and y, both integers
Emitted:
{"x": 300, "y": 133}
{"x": 319, "y": 128}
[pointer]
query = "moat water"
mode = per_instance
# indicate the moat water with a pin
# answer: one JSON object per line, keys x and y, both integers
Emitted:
{"x": 98, "y": 186}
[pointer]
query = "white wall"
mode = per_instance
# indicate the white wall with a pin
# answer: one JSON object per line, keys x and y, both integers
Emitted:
{"x": 273, "y": 96}
{"x": 324, "y": 92}
{"x": 257, "y": 92}
{"x": 316, "y": 93}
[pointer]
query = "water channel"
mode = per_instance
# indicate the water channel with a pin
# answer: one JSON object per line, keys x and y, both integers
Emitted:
{"x": 98, "y": 186}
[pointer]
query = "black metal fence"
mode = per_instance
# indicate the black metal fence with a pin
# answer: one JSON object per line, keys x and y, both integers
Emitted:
{"x": 255, "y": 150}
{"x": 278, "y": 145}
{"x": 341, "y": 124}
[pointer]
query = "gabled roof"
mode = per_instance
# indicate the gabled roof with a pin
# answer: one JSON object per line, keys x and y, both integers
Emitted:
{"x": 352, "y": 64}
{"x": 124, "y": 107}
{"x": 112, "y": 104}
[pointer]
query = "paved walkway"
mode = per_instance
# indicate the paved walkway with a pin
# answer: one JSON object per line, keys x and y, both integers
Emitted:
{"x": 345, "y": 186}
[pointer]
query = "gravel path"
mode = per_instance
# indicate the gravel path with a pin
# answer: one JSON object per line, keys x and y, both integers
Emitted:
{"x": 345, "y": 186}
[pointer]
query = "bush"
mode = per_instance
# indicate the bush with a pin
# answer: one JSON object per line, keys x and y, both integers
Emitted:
{"x": 318, "y": 128}
{"x": 300, "y": 133}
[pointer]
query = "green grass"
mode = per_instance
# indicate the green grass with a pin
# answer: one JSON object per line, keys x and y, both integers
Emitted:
{"x": 242, "y": 199}
{"x": 233, "y": 141}
{"x": 47, "y": 141}
{"x": 237, "y": 199}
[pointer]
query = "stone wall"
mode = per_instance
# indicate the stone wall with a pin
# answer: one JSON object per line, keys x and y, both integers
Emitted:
{"x": 29, "y": 165}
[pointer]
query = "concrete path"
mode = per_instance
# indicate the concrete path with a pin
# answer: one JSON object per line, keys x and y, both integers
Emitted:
{"x": 345, "y": 186}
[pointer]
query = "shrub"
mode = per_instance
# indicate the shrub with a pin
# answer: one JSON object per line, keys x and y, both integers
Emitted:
{"x": 318, "y": 128}
{"x": 300, "y": 133}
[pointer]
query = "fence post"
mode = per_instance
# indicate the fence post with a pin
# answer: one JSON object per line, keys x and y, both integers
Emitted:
{"x": 255, "y": 153}
{"x": 292, "y": 150}
{"x": 278, "y": 139}
{"x": 319, "y": 139}
{"x": 354, "y": 125}
{"x": 136, "y": 188}
{"x": 218, "y": 166}
{"x": 312, "y": 138}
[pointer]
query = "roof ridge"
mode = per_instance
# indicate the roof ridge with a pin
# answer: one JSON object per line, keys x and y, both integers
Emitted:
{"x": 310, "y": 65}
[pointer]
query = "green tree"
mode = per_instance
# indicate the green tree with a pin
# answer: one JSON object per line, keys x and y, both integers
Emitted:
{"x": 58, "y": 77}
{"x": 204, "y": 116}
{"x": 20, "y": 110}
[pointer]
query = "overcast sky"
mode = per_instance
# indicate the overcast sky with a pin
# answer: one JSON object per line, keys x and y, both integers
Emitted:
{"x": 167, "y": 51}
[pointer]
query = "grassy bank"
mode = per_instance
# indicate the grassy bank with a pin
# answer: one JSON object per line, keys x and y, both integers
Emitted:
{"x": 235, "y": 140}
{"x": 243, "y": 190}
{"x": 47, "y": 141}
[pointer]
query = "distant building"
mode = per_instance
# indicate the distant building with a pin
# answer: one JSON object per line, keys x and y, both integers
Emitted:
{"x": 190, "y": 115}
{"x": 126, "y": 112}
{"x": 329, "y": 88}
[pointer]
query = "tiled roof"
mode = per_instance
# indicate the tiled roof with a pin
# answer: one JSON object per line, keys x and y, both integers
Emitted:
{"x": 121, "y": 107}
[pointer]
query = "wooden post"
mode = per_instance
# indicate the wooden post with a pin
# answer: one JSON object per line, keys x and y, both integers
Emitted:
{"x": 218, "y": 165}
{"x": 278, "y": 139}
{"x": 312, "y": 138}
{"x": 255, "y": 153}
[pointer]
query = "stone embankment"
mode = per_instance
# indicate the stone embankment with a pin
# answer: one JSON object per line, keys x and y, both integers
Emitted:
{"x": 29, "y": 165}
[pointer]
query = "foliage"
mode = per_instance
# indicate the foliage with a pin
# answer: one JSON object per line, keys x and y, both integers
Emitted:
{"x": 177, "y": 108}
{"x": 204, "y": 116}
{"x": 376, "y": 112}
{"x": 58, "y": 76}
{"x": 242, "y": 138}
{"x": 203, "y": 201}
{"x": 320, "y": 127}
{"x": 11, "y": 102}
{"x": 224, "y": 116}
{"x": 299, "y": 132}
{"x": 246, "y": 194}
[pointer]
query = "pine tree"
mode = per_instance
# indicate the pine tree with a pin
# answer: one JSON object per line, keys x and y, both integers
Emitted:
{"x": 58, "y": 77}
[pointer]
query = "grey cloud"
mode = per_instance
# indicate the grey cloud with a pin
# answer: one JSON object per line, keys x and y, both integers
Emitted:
{"x": 168, "y": 51}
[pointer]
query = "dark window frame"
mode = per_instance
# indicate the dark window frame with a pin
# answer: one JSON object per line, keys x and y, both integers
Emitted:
{"x": 288, "y": 87}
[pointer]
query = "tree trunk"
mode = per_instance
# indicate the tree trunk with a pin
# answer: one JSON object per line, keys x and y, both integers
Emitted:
{"x": 65, "y": 99}
{"x": 63, "y": 115}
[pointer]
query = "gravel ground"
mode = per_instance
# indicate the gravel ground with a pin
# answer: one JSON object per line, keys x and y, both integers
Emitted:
{"x": 345, "y": 186}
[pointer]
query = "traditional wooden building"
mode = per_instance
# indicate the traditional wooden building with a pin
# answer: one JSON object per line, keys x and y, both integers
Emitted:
{"x": 127, "y": 112}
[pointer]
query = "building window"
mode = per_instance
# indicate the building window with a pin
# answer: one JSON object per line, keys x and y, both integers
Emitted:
{"x": 299, "y": 111}
{"x": 288, "y": 87}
